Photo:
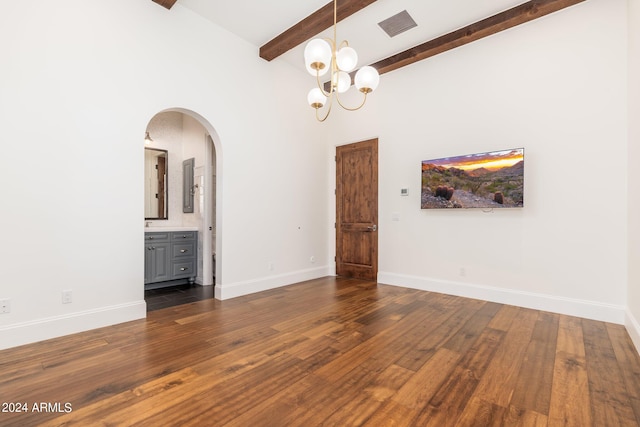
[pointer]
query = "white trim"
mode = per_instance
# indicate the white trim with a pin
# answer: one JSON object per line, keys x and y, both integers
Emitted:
{"x": 57, "y": 326}
{"x": 234, "y": 290}
{"x": 562, "y": 305}
{"x": 633, "y": 327}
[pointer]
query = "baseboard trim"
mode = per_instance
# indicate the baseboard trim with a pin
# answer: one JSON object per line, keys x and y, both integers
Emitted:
{"x": 562, "y": 305}
{"x": 52, "y": 327}
{"x": 633, "y": 327}
{"x": 233, "y": 290}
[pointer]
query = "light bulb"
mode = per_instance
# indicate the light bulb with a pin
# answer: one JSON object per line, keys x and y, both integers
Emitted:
{"x": 317, "y": 56}
{"x": 316, "y": 98}
{"x": 344, "y": 82}
{"x": 347, "y": 59}
{"x": 367, "y": 79}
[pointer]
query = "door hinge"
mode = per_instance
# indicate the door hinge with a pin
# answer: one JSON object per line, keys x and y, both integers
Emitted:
{"x": 335, "y": 225}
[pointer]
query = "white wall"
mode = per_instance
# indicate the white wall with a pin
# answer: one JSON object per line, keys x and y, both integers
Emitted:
{"x": 80, "y": 81}
{"x": 555, "y": 86}
{"x": 633, "y": 314}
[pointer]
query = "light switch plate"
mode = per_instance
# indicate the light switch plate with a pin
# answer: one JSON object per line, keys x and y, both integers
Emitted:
{"x": 5, "y": 306}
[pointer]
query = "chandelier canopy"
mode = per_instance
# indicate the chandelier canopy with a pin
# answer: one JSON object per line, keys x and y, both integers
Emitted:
{"x": 325, "y": 55}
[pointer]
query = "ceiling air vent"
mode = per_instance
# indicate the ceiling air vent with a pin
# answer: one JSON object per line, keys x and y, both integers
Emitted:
{"x": 398, "y": 24}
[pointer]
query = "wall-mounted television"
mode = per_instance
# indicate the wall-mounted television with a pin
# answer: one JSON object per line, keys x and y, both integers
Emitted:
{"x": 494, "y": 179}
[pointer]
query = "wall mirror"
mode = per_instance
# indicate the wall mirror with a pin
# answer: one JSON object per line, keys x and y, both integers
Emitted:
{"x": 155, "y": 184}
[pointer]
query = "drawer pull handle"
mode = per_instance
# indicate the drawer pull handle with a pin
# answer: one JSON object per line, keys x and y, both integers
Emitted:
{"x": 150, "y": 238}
{"x": 183, "y": 269}
{"x": 183, "y": 251}
{"x": 184, "y": 236}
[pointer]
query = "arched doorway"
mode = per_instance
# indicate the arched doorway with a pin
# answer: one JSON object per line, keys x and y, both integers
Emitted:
{"x": 185, "y": 134}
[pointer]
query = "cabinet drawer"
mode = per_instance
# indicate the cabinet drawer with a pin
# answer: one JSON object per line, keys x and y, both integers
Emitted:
{"x": 183, "y": 250}
{"x": 177, "y": 236}
{"x": 156, "y": 237}
{"x": 184, "y": 269}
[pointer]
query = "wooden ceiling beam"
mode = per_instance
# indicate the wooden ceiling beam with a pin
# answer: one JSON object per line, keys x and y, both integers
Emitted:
{"x": 521, "y": 14}
{"x": 166, "y": 3}
{"x": 502, "y": 21}
{"x": 310, "y": 26}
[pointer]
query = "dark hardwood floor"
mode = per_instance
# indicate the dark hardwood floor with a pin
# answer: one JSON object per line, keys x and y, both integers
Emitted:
{"x": 331, "y": 352}
{"x": 176, "y": 295}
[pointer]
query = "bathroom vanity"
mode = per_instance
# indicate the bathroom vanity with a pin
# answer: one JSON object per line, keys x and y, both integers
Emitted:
{"x": 170, "y": 256}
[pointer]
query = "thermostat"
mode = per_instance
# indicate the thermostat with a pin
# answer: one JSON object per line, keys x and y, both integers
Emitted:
{"x": 404, "y": 191}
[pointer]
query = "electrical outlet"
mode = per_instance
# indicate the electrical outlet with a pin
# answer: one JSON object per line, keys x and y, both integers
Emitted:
{"x": 312, "y": 259}
{"x": 463, "y": 272}
{"x": 270, "y": 266}
{"x": 67, "y": 296}
{"x": 5, "y": 306}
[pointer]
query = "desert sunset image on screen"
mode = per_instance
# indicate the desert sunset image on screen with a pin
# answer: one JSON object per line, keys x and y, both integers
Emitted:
{"x": 494, "y": 179}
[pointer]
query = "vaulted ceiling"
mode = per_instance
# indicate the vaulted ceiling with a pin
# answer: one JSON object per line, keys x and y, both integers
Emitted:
{"x": 280, "y": 28}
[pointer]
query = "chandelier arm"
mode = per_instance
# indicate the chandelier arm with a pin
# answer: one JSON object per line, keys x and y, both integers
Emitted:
{"x": 332, "y": 43}
{"x": 364, "y": 99}
{"x": 321, "y": 87}
{"x": 328, "y": 111}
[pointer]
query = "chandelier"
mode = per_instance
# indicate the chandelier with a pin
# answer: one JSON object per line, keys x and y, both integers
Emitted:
{"x": 325, "y": 55}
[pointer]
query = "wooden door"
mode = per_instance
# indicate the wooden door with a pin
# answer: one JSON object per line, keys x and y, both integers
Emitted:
{"x": 357, "y": 210}
{"x": 162, "y": 172}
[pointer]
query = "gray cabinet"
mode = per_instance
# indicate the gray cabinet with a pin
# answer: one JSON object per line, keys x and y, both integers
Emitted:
{"x": 157, "y": 251}
{"x": 183, "y": 255}
{"x": 169, "y": 258}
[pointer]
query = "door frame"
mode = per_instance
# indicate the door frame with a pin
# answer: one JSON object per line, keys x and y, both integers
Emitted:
{"x": 338, "y": 187}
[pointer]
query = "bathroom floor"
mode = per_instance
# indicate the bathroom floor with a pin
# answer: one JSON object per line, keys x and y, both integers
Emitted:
{"x": 176, "y": 295}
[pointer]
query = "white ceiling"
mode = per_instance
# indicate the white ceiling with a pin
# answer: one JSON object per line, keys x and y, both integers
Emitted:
{"x": 259, "y": 21}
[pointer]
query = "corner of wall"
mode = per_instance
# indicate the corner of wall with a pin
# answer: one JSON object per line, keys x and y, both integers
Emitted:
{"x": 633, "y": 328}
{"x": 535, "y": 301}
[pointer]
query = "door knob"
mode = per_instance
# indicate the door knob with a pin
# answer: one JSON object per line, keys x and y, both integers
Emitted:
{"x": 372, "y": 228}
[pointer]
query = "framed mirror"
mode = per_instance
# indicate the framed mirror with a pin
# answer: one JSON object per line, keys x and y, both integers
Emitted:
{"x": 156, "y": 199}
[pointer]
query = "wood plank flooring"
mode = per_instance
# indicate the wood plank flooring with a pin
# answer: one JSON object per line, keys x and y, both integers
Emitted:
{"x": 176, "y": 295}
{"x": 330, "y": 352}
